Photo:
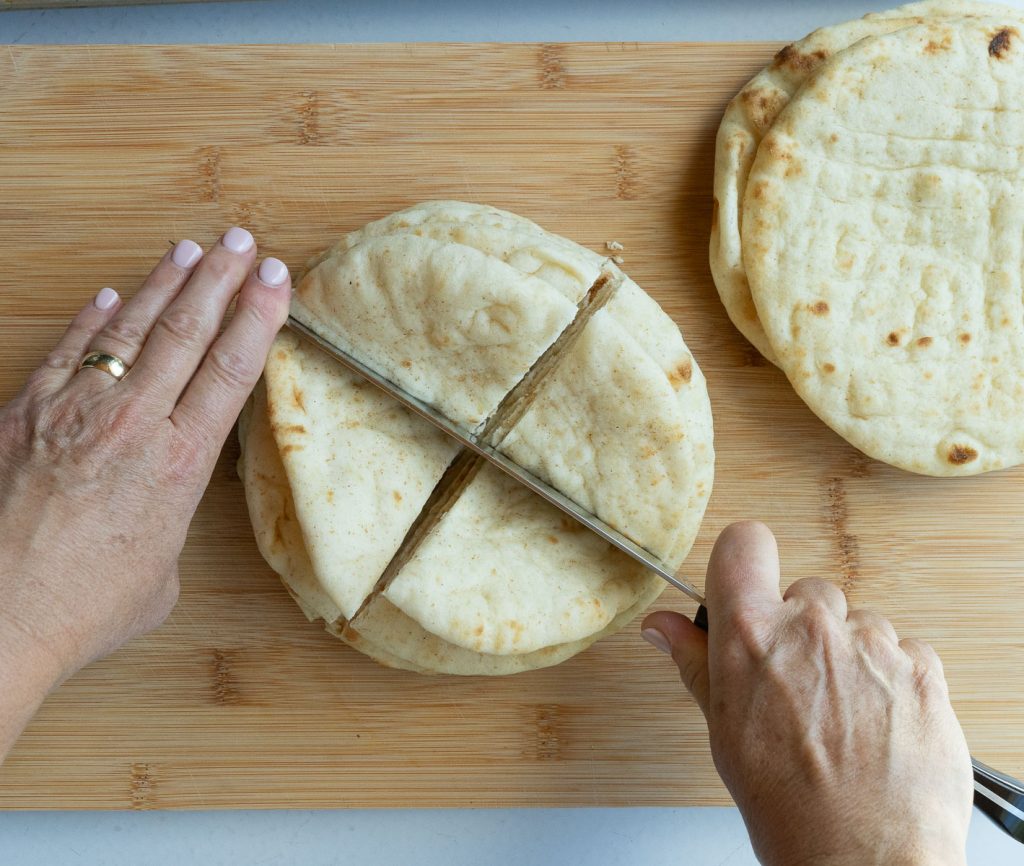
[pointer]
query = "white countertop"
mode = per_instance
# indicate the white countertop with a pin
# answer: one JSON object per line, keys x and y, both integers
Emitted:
{"x": 535, "y": 837}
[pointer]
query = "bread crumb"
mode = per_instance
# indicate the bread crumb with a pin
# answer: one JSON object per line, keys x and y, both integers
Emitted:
{"x": 618, "y": 260}
{"x": 614, "y": 245}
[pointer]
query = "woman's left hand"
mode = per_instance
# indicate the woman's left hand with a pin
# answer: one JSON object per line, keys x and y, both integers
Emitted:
{"x": 99, "y": 478}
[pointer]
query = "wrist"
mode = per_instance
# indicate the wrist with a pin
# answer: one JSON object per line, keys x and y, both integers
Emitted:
{"x": 28, "y": 672}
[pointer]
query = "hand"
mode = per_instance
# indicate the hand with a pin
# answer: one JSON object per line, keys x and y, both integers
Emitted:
{"x": 99, "y": 478}
{"x": 836, "y": 739}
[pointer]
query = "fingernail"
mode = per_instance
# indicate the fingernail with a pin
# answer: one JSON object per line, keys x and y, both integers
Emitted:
{"x": 238, "y": 240}
{"x": 105, "y": 299}
{"x": 657, "y": 640}
{"x": 186, "y": 254}
{"x": 273, "y": 271}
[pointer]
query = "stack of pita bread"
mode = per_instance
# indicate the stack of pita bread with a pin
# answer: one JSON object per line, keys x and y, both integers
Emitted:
{"x": 419, "y": 555}
{"x": 869, "y": 230}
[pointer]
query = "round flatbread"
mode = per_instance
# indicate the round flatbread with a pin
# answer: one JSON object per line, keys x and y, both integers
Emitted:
{"x": 751, "y": 114}
{"x": 882, "y": 232}
{"x": 499, "y": 581}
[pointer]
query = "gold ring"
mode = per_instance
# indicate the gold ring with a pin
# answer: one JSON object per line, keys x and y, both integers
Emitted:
{"x": 107, "y": 363}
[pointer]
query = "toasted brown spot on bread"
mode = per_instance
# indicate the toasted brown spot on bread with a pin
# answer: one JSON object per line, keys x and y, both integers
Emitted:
{"x": 924, "y": 341}
{"x": 758, "y": 191}
{"x": 774, "y": 147}
{"x": 893, "y": 339}
{"x": 819, "y": 308}
{"x": 964, "y": 338}
{"x": 961, "y": 454}
{"x": 397, "y": 496}
{"x": 934, "y": 47}
{"x": 330, "y": 496}
{"x": 762, "y": 107}
{"x": 828, "y": 367}
{"x": 297, "y": 398}
{"x": 796, "y": 60}
{"x": 553, "y": 539}
{"x": 289, "y": 448}
{"x": 681, "y": 374}
{"x": 294, "y": 428}
{"x": 406, "y": 363}
{"x": 1000, "y": 43}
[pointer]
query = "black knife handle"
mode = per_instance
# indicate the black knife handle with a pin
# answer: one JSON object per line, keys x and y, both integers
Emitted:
{"x": 701, "y": 618}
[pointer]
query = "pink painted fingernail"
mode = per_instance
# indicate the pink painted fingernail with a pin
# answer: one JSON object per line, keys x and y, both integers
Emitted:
{"x": 273, "y": 271}
{"x": 105, "y": 299}
{"x": 657, "y": 640}
{"x": 186, "y": 254}
{"x": 238, "y": 240}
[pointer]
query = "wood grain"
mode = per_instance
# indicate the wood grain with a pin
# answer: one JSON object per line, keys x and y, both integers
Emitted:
{"x": 107, "y": 154}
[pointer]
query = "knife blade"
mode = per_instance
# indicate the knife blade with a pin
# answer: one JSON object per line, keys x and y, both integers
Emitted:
{"x": 475, "y": 444}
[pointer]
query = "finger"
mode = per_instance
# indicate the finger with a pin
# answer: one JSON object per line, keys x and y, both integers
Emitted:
{"x": 126, "y": 333}
{"x": 813, "y": 590}
{"x": 63, "y": 360}
{"x": 674, "y": 634}
{"x": 743, "y": 571}
{"x": 186, "y": 328}
{"x": 868, "y": 620}
{"x": 215, "y": 396}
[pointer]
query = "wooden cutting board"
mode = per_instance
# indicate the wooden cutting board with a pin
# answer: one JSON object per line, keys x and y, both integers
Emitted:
{"x": 107, "y": 154}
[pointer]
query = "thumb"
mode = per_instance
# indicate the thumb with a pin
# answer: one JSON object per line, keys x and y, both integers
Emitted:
{"x": 688, "y": 645}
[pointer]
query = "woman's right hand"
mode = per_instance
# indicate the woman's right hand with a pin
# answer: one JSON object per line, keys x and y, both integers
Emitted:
{"x": 836, "y": 739}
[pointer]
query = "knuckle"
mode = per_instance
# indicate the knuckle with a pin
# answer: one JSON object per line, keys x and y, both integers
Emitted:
{"x": 54, "y": 427}
{"x": 233, "y": 367}
{"x": 749, "y": 638}
{"x": 61, "y": 360}
{"x": 183, "y": 324}
{"x": 873, "y": 640}
{"x": 818, "y": 620}
{"x": 265, "y": 310}
{"x": 189, "y": 456}
{"x": 125, "y": 331}
{"x": 221, "y": 268}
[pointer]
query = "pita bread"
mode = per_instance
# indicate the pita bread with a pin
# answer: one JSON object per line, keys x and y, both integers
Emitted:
{"x": 272, "y": 511}
{"x": 359, "y": 465}
{"x": 450, "y": 325}
{"x": 882, "y": 233}
{"x": 500, "y": 581}
{"x": 411, "y": 647}
{"x": 605, "y": 425}
{"x": 751, "y": 114}
{"x": 566, "y": 266}
{"x": 383, "y": 632}
{"x": 504, "y": 573}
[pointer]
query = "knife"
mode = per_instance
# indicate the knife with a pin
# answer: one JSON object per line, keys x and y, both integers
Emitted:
{"x": 478, "y": 446}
